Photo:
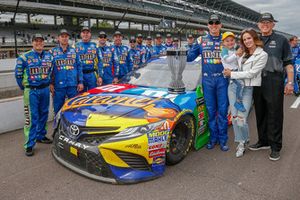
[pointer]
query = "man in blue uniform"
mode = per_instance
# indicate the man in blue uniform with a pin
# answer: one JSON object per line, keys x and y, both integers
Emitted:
{"x": 67, "y": 78}
{"x": 106, "y": 58}
{"x": 190, "y": 40}
{"x": 142, "y": 48}
{"x": 122, "y": 53}
{"x": 135, "y": 54}
{"x": 175, "y": 43}
{"x": 296, "y": 55}
{"x": 213, "y": 82}
{"x": 33, "y": 71}
{"x": 87, "y": 52}
{"x": 159, "y": 49}
{"x": 169, "y": 41}
{"x": 149, "y": 47}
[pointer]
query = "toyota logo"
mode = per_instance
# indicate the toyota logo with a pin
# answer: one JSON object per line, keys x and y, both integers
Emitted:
{"x": 74, "y": 130}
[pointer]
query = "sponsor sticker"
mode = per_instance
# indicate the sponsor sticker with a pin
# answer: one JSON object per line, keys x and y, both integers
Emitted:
{"x": 157, "y": 153}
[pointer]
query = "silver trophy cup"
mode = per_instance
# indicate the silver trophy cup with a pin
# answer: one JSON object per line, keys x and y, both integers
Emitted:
{"x": 176, "y": 62}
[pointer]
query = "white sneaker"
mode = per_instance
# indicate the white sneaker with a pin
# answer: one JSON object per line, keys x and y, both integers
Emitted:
{"x": 240, "y": 150}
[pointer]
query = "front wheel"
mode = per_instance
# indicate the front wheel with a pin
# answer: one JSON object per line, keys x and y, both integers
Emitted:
{"x": 180, "y": 140}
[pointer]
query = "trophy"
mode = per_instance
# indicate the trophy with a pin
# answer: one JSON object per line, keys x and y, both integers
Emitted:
{"x": 176, "y": 61}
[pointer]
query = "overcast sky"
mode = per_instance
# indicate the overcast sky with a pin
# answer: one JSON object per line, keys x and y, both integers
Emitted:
{"x": 287, "y": 12}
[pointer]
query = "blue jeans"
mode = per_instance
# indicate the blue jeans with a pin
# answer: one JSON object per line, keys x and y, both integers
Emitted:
{"x": 240, "y": 119}
{"x": 239, "y": 89}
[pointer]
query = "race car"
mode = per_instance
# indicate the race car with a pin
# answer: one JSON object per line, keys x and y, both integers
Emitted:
{"x": 128, "y": 132}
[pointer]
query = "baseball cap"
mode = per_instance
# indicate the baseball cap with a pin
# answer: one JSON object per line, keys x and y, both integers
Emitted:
{"x": 168, "y": 35}
{"x": 175, "y": 39}
{"x": 190, "y": 36}
{"x": 102, "y": 33}
{"x": 227, "y": 34}
{"x": 149, "y": 37}
{"x": 85, "y": 28}
{"x": 158, "y": 35}
{"x": 36, "y": 36}
{"x": 117, "y": 33}
{"x": 214, "y": 18}
{"x": 139, "y": 35}
{"x": 64, "y": 31}
{"x": 267, "y": 17}
{"x": 132, "y": 39}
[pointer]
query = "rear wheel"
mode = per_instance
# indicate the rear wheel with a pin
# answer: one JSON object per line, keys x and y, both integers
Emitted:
{"x": 180, "y": 140}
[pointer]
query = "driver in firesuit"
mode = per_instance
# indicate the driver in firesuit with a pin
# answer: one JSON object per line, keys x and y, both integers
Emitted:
{"x": 149, "y": 48}
{"x": 296, "y": 55}
{"x": 122, "y": 53}
{"x": 213, "y": 82}
{"x": 159, "y": 49}
{"x": 190, "y": 40}
{"x": 140, "y": 47}
{"x": 135, "y": 54}
{"x": 169, "y": 41}
{"x": 67, "y": 78}
{"x": 33, "y": 72}
{"x": 87, "y": 52}
{"x": 107, "y": 58}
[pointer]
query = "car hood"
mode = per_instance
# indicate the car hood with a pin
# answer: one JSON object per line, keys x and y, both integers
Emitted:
{"x": 117, "y": 109}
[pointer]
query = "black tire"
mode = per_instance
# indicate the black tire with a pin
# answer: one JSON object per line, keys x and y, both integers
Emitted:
{"x": 180, "y": 140}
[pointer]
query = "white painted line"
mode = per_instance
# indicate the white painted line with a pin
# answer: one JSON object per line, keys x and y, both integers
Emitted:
{"x": 296, "y": 103}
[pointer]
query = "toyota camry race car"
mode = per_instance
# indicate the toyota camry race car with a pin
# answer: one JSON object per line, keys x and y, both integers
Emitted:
{"x": 128, "y": 132}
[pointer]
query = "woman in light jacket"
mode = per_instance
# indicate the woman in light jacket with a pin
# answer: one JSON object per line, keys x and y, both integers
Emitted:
{"x": 251, "y": 64}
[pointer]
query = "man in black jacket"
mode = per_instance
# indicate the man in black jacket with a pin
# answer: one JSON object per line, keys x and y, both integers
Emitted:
{"x": 268, "y": 99}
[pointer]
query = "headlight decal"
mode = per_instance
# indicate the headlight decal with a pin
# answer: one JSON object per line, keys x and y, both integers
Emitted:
{"x": 133, "y": 132}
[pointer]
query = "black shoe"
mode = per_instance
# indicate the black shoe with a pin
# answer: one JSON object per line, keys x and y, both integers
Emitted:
{"x": 274, "y": 155}
{"x": 258, "y": 146}
{"x": 45, "y": 140}
{"x": 29, "y": 151}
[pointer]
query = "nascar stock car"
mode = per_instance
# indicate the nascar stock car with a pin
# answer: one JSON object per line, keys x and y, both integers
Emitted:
{"x": 128, "y": 132}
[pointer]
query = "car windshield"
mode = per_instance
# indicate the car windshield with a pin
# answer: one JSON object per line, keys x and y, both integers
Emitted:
{"x": 157, "y": 74}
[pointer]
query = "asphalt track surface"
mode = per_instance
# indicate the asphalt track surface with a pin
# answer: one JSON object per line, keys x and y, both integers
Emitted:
{"x": 205, "y": 174}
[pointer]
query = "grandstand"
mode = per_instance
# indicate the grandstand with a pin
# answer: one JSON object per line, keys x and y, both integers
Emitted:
{"x": 129, "y": 16}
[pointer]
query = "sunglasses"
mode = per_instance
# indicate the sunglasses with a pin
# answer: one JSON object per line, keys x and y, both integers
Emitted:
{"x": 212, "y": 22}
{"x": 248, "y": 30}
{"x": 102, "y": 36}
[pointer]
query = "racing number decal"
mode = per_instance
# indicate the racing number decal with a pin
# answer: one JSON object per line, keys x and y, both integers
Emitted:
{"x": 156, "y": 93}
{"x": 111, "y": 88}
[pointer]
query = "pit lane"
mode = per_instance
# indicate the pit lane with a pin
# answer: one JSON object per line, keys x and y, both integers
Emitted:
{"x": 202, "y": 175}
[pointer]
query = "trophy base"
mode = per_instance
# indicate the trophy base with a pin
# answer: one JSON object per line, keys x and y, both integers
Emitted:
{"x": 176, "y": 90}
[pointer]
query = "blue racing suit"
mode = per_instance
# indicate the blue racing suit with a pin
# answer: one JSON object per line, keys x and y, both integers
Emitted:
{"x": 214, "y": 85}
{"x": 149, "y": 52}
{"x": 66, "y": 75}
{"x": 87, "y": 53}
{"x": 108, "y": 62}
{"x": 143, "y": 52}
{"x": 33, "y": 73}
{"x": 137, "y": 57}
{"x": 124, "y": 60}
{"x": 169, "y": 46}
{"x": 296, "y": 55}
{"x": 189, "y": 46}
{"x": 159, "y": 50}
